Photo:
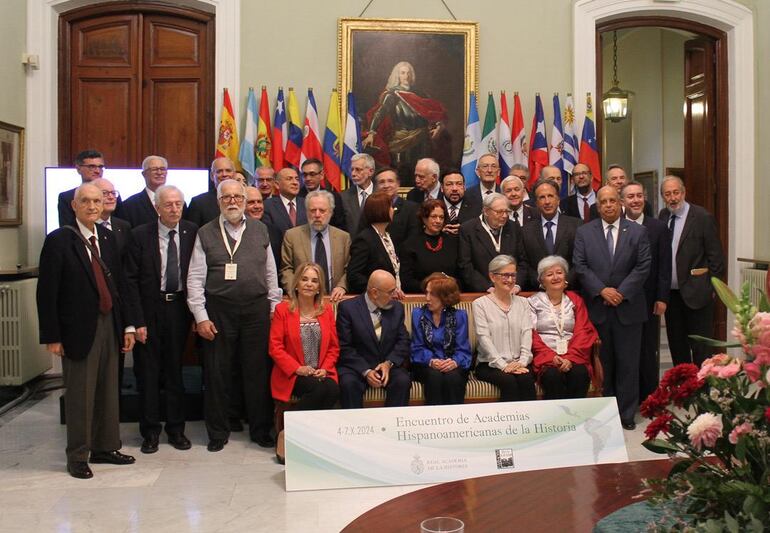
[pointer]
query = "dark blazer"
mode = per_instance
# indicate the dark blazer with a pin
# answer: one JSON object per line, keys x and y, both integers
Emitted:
{"x": 277, "y": 216}
{"x": 142, "y": 266}
{"x": 338, "y": 215}
{"x": 67, "y": 297}
{"x": 352, "y": 210}
{"x": 203, "y": 208}
{"x": 477, "y": 250}
{"x": 67, "y": 215}
{"x": 473, "y": 194}
{"x": 534, "y": 246}
{"x": 529, "y": 213}
{"x": 658, "y": 284}
{"x": 138, "y": 209}
{"x": 699, "y": 247}
{"x": 569, "y": 206}
{"x": 359, "y": 348}
{"x": 121, "y": 230}
{"x": 367, "y": 254}
{"x": 468, "y": 210}
{"x": 405, "y": 223}
{"x": 627, "y": 271}
{"x": 418, "y": 196}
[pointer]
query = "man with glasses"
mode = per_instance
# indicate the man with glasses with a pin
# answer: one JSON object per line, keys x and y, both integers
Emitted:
{"x": 120, "y": 228}
{"x": 581, "y": 204}
{"x": 264, "y": 180}
{"x": 140, "y": 208}
{"x": 232, "y": 287}
{"x": 205, "y": 207}
{"x": 365, "y": 362}
{"x": 488, "y": 171}
{"x": 90, "y": 165}
{"x": 314, "y": 180}
{"x": 486, "y": 237}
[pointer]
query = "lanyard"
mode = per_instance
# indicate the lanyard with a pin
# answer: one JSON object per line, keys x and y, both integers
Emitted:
{"x": 486, "y": 227}
{"x": 558, "y": 320}
{"x": 227, "y": 242}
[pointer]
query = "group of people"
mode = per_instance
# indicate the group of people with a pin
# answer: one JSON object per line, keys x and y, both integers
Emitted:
{"x": 137, "y": 274}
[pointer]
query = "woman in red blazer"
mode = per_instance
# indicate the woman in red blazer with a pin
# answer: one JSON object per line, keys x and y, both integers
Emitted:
{"x": 304, "y": 345}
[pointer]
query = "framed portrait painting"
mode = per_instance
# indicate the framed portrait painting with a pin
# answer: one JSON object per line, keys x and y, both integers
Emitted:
{"x": 411, "y": 80}
{"x": 649, "y": 181}
{"x": 11, "y": 173}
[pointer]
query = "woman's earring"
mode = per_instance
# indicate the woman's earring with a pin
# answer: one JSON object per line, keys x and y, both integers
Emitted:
{"x": 566, "y": 283}
{"x": 541, "y": 286}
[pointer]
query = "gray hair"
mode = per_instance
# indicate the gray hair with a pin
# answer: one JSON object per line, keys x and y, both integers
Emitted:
{"x": 366, "y": 158}
{"x": 519, "y": 166}
{"x": 320, "y": 193}
{"x": 212, "y": 177}
{"x": 501, "y": 261}
{"x": 432, "y": 165}
{"x": 488, "y": 154}
{"x": 163, "y": 189}
{"x": 489, "y": 199}
{"x": 550, "y": 261}
{"x": 511, "y": 179}
{"x": 672, "y": 178}
{"x": 146, "y": 161}
{"x": 226, "y": 182}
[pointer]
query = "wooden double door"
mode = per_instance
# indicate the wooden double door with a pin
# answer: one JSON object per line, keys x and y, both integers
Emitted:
{"x": 137, "y": 79}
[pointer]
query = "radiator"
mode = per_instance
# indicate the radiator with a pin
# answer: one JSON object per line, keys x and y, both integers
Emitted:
{"x": 756, "y": 280}
{"x": 22, "y": 358}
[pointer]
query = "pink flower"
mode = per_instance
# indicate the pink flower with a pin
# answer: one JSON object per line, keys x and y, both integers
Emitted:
{"x": 742, "y": 429}
{"x": 729, "y": 371}
{"x": 753, "y": 371}
{"x": 760, "y": 328}
{"x": 705, "y": 430}
{"x": 761, "y": 354}
{"x": 721, "y": 366}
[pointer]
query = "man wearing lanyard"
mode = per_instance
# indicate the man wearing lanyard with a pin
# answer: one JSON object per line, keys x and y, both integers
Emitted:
{"x": 232, "y": 289}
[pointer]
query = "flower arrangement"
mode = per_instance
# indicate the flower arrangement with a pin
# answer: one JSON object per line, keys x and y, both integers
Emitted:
{"x": 715, "y": 421}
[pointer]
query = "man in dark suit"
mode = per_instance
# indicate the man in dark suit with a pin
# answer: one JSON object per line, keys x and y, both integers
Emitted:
{"x": 82, "y": 319}
{"x": 488, "y": 171}
{"x": 617, "y": 177}
{"x": 580, "y": 204}
{"x": 285, "y": 210}
{"x": 656, "y": 288}
{"x": 482, "y": 239}
{"x": 549, "y": 234}
{"x": 314, "y": 180}
{"x": 156, "y": 269}
{"x": 353, "y": 198}
{"x": 405, "y": 223}
{"x": 374, "y": 344}
{"x": 459, "y": 208}
{"x": 696, "y": 257}
{"x": 120, "y": 228}
{"x": 204, "y": 208}
{"x": 513, "y": 188}
{"x": 140, "y": 208}
{"x": 90, "y": 165}
{"x": 426, "y": 173}
{"x": 612, "y": 259}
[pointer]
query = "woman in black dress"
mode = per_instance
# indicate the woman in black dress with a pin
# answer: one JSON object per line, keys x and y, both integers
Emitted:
{"x": 430, "y": 251}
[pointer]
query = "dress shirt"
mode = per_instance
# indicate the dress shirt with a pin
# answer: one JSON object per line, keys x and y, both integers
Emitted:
{"x": 163, "y": 247}
{"x": 150, "y": 195}
{"x": 502, "y": 337}
{"x": 615, "y": 232}
{"x": 681, "y": 216}
{"x": 555, "y": 220}
{"x": 327, "y": 246}
{"x": 639, "y": 220}
{"x": 591, "y": 196}
{"x": 520, "y": 214}
{"x": 449, "y": 204}
{"x": 484, "y": 190}
{"x": 198, "y": 269}
{"x": 107, "y": 223}
{"x": 433, "y": 193}
{"x": 286, "y": 203}
{"x": 369, "y": 190}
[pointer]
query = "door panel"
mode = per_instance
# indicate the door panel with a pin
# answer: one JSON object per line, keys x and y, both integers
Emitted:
{"x": 104, "y": 118}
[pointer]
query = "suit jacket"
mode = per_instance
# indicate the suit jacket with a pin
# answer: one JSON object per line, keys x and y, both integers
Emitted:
{"x": 405, "y": 223}
{"x": 477, "y": 250}
{"x": 529, "y": 213}
{"x": 277, "y": 216}
{"x": 67, "y": 215}
{"x": 569, "y": 206}
{"x": 142, "y": 265}
{"x": 367, "y": 254}
{"x": 534, "y": 246}
{"x": 296, "y": 249}
{"x": 338, "y": 215}
{"x": 418, "y": 196}
{"x": 658, "y": 284}
{"x": 626, "y": 271}
{"x": 352, "y": 210}
{"x": 594, "y": 211}
{"x": 699, "y": 247}
{"x": 359, "y": 348}
{"x": 138, "y": 209}
{"x": 121, "y": 230}
{"x": 474, "y": 194}
{"x": 287, "y": 353}
{"x": 468, "y": 210}
{"x": 67, "y": 297}
{"x": 203, "y": 208}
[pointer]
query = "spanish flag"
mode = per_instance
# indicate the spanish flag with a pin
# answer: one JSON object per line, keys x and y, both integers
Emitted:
{"x": 264, "y": 146}
{"x": 331, "y": 147}
{"x": 227, "y": 139}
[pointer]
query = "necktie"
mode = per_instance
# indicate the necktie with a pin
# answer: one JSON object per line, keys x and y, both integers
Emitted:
{"x": 320, "y": 258}
{"x": 586, "y": 210}
{"x": 516, "y": 217}
{"x": 610, "y": 241}
{"x": 292, "y": 214}
{"x": 107, "y": 224}
{"x": 172, "y": 264}
{"x": 363, "y": 198}
{"x": 452, "y": 213}
{"x": 672, "y": 223}
{"x": 378, "y": 324}
{"x": 487, "y": 192}
{"x": 105, "y": 298}
{"x": 549, "y": 246}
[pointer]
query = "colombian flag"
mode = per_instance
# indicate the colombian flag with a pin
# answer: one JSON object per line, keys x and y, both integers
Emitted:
{"x": 294, "y": 144}
{"x": 227, "y": 138}
{"x": 332, "y": 135}
{"x": 589, "y": 155}
{"x": 264, "y": 146}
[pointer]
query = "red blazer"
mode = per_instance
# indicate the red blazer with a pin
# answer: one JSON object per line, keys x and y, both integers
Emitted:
{"x": 580, "y": 345}
{"x": 286, "y": 348}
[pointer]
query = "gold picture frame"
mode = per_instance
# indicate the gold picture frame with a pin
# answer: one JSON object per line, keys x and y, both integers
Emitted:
{"x": 649, "y": 181}
{"x": 11, "y": 173}
{"x": 443, "y": 58}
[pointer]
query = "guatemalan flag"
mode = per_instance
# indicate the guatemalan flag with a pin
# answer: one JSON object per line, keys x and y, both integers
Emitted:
{"x": 311, "y": 136}
{"x": 294, "y": 144}
{"x": 589, "y": 155}
{"x": 332, "y": 136}
{"x": 504, "y": 145}
{"x": 571, "y": 146}
{"x": 555, "y": 157}
{"x": 246, "y": 153}
{"x": 352, "y": 144}
{"x": 538, "y": 148}
{"x": 519, "y": 136}
{"x": 472, "y": 148}
{"x": 280, "y": 134}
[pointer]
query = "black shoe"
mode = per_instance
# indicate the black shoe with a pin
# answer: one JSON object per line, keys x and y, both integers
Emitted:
{"x": 80, "y": 470}
{"x": 280, "y": 460}
{"x": 150, "y": 444}
{"x": 265, "y": 440}
{"x": 236, "y": 425}
{"x": 113, "y": 458}
{"x": 629, "y": 426}
{"x": 216, "y": 445}
{"x": 179, "y": 441}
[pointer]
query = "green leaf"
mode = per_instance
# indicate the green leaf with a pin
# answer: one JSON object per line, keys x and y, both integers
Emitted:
{"x": 659, "y": 446}
{"x": 725, "y": 294}
{"x": 680, "y": 466}
{"x": 731, "y": 523}
{"x": 714, "y": 342}
{"x": 764, "y": 304}
{"x": 740, "y": 449}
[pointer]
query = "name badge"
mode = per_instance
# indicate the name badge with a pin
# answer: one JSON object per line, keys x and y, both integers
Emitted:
{"x": 231, "y": 271}
{"x": 561, "y": 346}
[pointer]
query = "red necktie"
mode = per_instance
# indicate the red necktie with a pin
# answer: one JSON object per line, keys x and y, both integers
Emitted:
{"x": 586, "y": 210}
{"x": 105, "y": 298}
{"x": 292, "y": 214}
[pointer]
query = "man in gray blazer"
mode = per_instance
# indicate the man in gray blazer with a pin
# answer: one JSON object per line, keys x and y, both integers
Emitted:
{"x": 612, "y": 260}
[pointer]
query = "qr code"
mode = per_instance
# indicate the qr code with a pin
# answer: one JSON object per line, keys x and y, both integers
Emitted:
{"x": 504, "y": 458}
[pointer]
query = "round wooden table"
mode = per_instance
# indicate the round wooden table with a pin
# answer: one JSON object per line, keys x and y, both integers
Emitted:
{"x": 561, "y": 499}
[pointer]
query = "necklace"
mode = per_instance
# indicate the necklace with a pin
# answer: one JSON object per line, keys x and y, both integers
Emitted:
{"x": 439, "y": 245}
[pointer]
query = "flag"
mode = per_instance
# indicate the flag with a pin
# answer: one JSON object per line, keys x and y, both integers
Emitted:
{"x": 538, "y": 148}
{"x": 280, "y": 133}
{"x": 311, "y": 136}
{"x": 489, "y": 135}
{"x": 556, "y": 146}
{"x": 294, "y": 139}
{"x": 589, "y": 155}
{"x": 264, "y": 148}
{"x": 331, "y": 160}
{"x": 570, "y": 152}
{"x": 504, "y": 145}
{"x": 227, "y": 139}
{"x": 246, "y": 153}
{"x": 519, "y": 136}
{"x": 352, "y": 144}
{"x": 472, "y": 149}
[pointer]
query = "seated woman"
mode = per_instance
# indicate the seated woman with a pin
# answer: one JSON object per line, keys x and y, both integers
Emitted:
{"x": 430, "y": 251}
{"x": 563, "y": 336}
{"x": 504, "y": 334}
{"x": 372, "y": 248}
{"x": 441, "y": 351}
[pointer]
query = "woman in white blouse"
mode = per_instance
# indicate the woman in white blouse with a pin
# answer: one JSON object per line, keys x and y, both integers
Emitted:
{"x": 504, "y": 334}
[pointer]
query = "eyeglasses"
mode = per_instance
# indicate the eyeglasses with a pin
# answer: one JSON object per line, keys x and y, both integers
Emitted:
{"x": 111, "y": 194}
{"x": 491, "y": 166}
{"x": 500, "y": 212}
{"x": 269, "y": 179}
{"x": 505, "y": 275}
{"x": 157, "y": 169}
{"x": 576, "y": 174}
{"x": 230, "y": 198}
{"x": 92, "y": 167}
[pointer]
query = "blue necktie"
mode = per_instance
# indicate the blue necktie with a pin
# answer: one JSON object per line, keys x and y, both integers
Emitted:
{"x": 610, "y": 241}
{"x": 549, "y": 246}
{"x": 672, "y": 223}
